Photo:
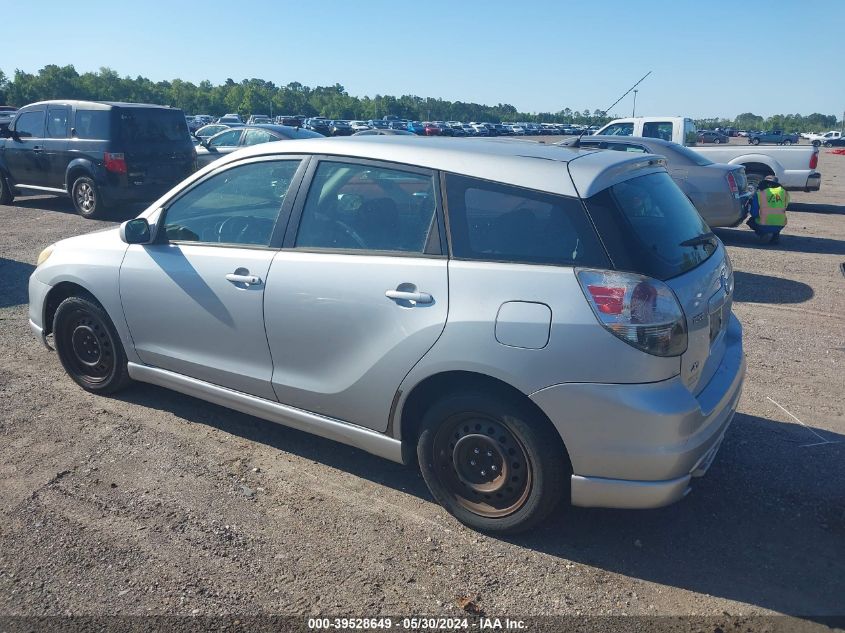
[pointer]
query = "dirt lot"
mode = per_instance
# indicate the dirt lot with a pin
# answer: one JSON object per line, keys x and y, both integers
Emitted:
{"x": 153, "y": 502}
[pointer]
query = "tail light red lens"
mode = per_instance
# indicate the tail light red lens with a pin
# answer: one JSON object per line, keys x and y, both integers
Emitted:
{"x": 607, "y": 300}
{"x": 732, "y": 182}
{"x": 814, "y": 160}
{"x": 641, "y": 311}
{"x": 114, "y": 163}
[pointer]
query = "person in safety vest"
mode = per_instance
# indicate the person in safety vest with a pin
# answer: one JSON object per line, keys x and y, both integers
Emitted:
{"x": 768, "y": 210}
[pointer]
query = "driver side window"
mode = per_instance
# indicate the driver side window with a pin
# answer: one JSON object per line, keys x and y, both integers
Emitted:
{"x": 619, "y": 129}
{"x": 237, "y": 206}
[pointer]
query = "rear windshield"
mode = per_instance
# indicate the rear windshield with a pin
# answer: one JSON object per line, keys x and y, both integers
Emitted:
{"x": 691, "y": 155}
{"x": 152, "y": 125}
{"x": 650, "y": 227}
{"x": 490, "y": 221}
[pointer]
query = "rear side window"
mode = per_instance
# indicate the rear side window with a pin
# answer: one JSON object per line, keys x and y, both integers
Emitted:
{"x": 30, "y": 124}
{"x": 494, "y": 222}
{"x": 365, "y": 208}
{"x": 57, "y": 122}
{"x": 658, "y": 129}
{"x": 93, "y": 124}
{"x": 152, "y": 125}
{"x": 650, "y": 227}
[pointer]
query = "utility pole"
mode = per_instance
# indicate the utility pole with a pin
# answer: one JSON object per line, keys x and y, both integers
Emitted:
{"x": 634, "y": 111}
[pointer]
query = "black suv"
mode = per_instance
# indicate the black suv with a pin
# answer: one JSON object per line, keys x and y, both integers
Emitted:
{"x": 98, "y": 153}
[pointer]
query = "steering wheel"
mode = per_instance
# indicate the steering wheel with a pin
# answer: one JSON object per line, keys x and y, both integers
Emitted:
{"x": 351, "y": 233}
{"x": 232, "y": 229}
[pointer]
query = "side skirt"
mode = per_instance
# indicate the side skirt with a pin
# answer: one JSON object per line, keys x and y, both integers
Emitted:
{"x": 357, "y": 436}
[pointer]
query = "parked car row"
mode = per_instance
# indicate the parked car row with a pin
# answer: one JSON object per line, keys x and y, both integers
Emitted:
{"x": 335, "y": 127}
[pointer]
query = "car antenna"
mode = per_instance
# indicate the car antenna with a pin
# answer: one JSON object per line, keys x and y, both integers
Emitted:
{"x": 577, "y": 142}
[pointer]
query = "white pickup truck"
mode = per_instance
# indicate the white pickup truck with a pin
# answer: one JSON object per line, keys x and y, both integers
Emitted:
{"x": 795, "y": 167}
{"x": 821, "y": 139}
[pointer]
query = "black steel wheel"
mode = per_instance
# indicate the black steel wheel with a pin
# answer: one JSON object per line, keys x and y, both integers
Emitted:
{"x": 491, "y": 462}
{"x": 89, "y": 347}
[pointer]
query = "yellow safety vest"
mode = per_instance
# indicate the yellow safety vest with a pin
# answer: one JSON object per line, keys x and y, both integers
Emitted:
{"x": 772, "y": 203}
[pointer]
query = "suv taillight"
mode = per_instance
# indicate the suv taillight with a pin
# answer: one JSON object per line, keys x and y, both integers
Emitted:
{"x": 814, "y": 159}
{"x": 114, "y": 163}
{"x": 641, "y": 311}
{"x": 732, "y": 182}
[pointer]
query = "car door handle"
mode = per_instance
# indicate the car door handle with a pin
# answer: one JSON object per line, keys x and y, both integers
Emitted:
{"x": 416, "y": 297}
{"x": 37, "y": 148}
{"x": 249, "y": 280}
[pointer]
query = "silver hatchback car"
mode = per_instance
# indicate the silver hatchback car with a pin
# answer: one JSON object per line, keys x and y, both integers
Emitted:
{"x": 528, "y": 323}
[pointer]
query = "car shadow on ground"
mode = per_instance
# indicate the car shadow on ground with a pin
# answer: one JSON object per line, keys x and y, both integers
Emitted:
{"x": 764, "y": 526}
{"x": 746, "y": 238}
{"x": 767, "y": 289}
{"x": 13, "y": 282}
{"x": 61, "y": 204}
{"x": 811, "y": 207}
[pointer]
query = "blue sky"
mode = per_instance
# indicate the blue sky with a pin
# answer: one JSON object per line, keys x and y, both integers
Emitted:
{"x": 538, "y": 56}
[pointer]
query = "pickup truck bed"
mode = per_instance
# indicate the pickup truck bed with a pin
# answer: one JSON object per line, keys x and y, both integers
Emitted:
{"x": 795, "y": 167}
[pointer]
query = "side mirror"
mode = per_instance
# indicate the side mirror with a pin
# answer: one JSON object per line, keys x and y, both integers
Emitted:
{"x": 136, "y": 231}
{"x": 5, "y": 133}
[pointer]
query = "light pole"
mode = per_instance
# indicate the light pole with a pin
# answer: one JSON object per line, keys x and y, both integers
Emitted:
{"x": 634, "y": 111}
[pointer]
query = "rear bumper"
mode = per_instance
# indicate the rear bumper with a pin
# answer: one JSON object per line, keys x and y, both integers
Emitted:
{"x": 800, "y": 181}
{"x": 814, "y": 182}
{"x": 639, "y": 445}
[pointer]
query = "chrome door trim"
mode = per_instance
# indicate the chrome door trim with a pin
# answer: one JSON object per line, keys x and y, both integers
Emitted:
{"x": 329, "y": 428}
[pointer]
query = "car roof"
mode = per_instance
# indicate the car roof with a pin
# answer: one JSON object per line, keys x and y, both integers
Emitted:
{"x": 99, "y": 105}
{"x": 522, "y": 163}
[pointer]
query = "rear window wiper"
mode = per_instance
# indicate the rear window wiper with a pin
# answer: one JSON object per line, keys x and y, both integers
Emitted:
{"x": 700, "y": 240}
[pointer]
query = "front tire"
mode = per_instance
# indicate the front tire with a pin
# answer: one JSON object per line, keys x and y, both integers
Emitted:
{"x": 86, "y": 198}
{"x": 492, "y": 463}
{"x": 89, "y": 347}
{"x": 755, "y": 141}
{"x": 6, "y": 195}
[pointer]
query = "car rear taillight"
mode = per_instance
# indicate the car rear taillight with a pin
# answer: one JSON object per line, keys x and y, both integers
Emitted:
{"x": 114, "y": 163}
{"x": 641, "y": 311}
{"x": 814, "y": 160}
{"x": 732, "y": 182}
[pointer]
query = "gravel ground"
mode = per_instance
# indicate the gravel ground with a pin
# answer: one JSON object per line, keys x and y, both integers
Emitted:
{"x": 152, "y": 502}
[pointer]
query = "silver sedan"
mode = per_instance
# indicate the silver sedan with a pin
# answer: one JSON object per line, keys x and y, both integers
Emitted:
{"x": 718, "y": 191}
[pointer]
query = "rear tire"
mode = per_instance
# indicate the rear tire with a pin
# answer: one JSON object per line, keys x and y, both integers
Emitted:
{"x": 6, "y": 195}
{"x": 89, "y": 347}
{"x": 817, "y": 143}
{"x": 86, "y": 198}
{"x": 492, "y": 463}
{"x": 754, "y": 178}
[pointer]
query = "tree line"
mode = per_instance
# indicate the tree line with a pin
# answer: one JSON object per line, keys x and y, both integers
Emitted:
{"x": 257, "y": 96}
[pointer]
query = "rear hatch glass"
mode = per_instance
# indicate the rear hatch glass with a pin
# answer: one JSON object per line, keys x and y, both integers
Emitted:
{"x": 650, "y": 227}
{"x": 156, "y": 143}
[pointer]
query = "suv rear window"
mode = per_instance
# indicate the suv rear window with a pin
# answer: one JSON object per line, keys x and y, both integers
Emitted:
{"x": 152, "y": 125}
{"x": 494, "y": 222}
{"x": 650, "y": 227}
